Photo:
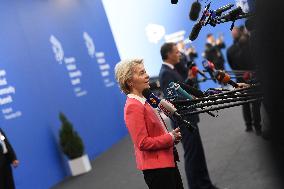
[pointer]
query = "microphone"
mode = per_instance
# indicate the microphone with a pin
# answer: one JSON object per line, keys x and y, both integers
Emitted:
{"x": 195, "y": 31}
{"x": 166, "y": 107}
{"x": 155, "y": 85}
{"x": 232, "y": 15}
{"x": 195, "y": 71}
{"x": 174, "y": 1}
{"x": 194, "y": 11}
{"x": 225, "y": 78}
{"x": 222, "y": 9}
{"x": 210, "y": 68}
{"x": 180, "y": 90}
{"x": 191, "y": 90}
{"x": 177, "y": 87}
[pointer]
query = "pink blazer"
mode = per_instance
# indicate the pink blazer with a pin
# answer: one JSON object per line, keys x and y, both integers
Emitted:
{"x": 153, "y": 145}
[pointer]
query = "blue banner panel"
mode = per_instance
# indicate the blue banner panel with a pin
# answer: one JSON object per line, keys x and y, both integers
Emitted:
{"x": 56, "y": 56}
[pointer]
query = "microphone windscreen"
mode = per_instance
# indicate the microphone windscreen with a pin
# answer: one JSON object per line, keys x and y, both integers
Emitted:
{"x": 146, "y": 93}
{"x": 195, "y": 31}
{"x": 194, "y": 11}
{"x": 174, "y": 1}
{"x": 191, "y": 90}
{"x": 154, "y": 85}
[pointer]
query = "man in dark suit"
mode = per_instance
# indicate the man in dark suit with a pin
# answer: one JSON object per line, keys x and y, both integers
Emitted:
{"x": 195, "y": 162}
{"x": 240, "y": 58}
{"x": 213, "y": 51}
{"x": 7, "y": 157}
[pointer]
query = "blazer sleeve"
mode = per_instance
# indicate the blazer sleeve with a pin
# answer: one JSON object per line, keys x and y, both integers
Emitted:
{"x": 135, "y": 122}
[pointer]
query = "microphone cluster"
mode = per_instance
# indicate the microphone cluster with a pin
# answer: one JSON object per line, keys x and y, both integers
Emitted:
{"x": 217, "y": 99}
{"x": 214, "y": 17}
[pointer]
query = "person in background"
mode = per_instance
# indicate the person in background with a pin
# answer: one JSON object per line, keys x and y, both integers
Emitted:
{"x": 7, "y": 158}
{"x": 239, "y": 58}
{"x": 213, "y": 51}
{"x": 154, "y": 146}
{"x": 194, "y": 156}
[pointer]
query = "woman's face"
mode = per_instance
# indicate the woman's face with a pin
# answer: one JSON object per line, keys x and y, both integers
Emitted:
{"x": 140, "y": 79}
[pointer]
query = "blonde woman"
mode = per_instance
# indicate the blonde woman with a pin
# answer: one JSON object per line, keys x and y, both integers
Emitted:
{"x": 153, "y": 144}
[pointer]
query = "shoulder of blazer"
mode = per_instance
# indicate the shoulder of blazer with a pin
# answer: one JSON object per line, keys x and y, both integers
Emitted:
{"x": 133, "y": 102}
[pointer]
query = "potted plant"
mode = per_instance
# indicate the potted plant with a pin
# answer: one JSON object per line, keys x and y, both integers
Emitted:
{"x": 73, "y": 147}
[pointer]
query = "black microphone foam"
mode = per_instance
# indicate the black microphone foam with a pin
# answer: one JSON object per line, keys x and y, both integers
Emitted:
{"x": 233, "y": 14}
{"x": 194, "y": 11}
{"x": 195, "y": 31}
{"x": 191, "y": 90}
{"x": 220, "y": 10}
{"x": 174, "y": 1}
{"x": 146, "y": 93}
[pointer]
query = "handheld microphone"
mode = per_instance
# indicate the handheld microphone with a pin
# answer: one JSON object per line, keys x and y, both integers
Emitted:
{"x": 210, "y": 68}
{"x": 155, "y": 85}
{"x": 166, "y": 107}
{"x": 195, "y": 31}
{"x": 195, "y": 71}
{"x": 194, "y": 11}
{"x": 225, "y": 78}
{"x": 180, "y": 90}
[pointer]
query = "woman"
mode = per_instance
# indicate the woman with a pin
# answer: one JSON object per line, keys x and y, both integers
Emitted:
{"x": 7, "y": 157}
{"x": 153, "y": 144}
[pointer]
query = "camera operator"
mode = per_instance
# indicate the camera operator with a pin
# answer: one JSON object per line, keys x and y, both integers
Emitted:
{"x": 213, "y": 51}
{"x": 240, "y": 58}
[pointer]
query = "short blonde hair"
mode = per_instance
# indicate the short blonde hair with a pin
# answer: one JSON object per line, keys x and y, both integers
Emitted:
{"x": 124, "y": 72}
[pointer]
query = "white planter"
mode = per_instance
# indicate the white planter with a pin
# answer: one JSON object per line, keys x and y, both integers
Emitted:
{"x": 80, "y": 165}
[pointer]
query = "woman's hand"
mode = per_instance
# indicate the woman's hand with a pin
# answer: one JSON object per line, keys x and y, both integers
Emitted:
{"x": 177, "y": 135}
{"x": 15, "y": 163}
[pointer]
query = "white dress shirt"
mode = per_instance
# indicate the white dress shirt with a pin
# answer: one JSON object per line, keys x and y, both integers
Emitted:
{"x": 2, "y": 143}
{"x": 143, "y": 101}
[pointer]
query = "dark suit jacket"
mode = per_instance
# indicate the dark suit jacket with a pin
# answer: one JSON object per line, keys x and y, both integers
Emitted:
{"x": 214, "y": 54}
{"x": 168, "y": 75}
{"x": 11, "y": 155}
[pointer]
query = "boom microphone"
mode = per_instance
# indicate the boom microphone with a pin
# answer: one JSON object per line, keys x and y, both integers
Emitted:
{"x": 233, "y": 14}
{"x": 222, "y": 9}
{"x": 174, "y": 1}
{"x": 194, "y": 11}
{"x": 195, "y": 31}
{"x": 165, "y": 106}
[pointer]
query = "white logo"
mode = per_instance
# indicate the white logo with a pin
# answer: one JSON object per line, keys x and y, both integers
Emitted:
{"x": 89, "y": 44}
{"x": 175, "y": 37}
{"x": 155, "y": 32}
{"x": 243, "y": 4}
{"x": 57, "y": 49}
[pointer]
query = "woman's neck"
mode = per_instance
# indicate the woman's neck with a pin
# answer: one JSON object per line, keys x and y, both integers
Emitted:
{"x": 137, "y": 93}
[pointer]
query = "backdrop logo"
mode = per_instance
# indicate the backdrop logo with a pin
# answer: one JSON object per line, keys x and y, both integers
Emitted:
{"x": 155, "y": 32}
{"x": 89, "y": 44}
{"x": 57, "y": 49}
{"x": 175, "y": 37}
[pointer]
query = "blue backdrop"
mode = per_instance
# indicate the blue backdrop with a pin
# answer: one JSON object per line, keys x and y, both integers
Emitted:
{"x": 58, "y": 56}
{"x": 143, "y": 26}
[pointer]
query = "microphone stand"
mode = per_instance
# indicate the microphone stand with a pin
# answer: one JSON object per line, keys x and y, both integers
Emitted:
{"x": 221, "y": 107}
